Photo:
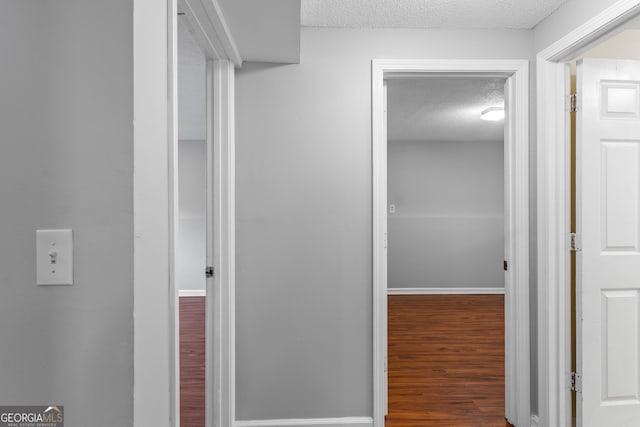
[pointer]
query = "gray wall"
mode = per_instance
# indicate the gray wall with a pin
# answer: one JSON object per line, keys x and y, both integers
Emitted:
{"x": 66, "y": 156}
{"x": 448, "y": 227}
{"x": 192, "y": 162}
{"x": 304, "y": 281}
{"x": 192, "y": 226}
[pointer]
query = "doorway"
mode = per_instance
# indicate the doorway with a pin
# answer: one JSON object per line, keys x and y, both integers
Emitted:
{"x": 517, "y": 392}
{"x": 560, "y": 370}
{"x": 156, "y": 326}
{"x": 204, "y": 206}
{"x": 446, "y": 250}
{"x": 617, "y": 50}
{"x": 191, "y": 248}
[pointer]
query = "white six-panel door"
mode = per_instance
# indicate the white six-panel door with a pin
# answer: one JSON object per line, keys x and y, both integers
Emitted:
{"x": 608, "y": 226}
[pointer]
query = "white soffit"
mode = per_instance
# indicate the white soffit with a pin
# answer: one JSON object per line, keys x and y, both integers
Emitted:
{"x": 265, "y": 30}
{"x": 443, "y": 109}
{"x": 519, "y": 14}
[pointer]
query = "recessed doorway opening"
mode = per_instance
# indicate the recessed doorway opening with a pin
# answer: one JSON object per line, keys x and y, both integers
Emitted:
{"x": 508, "y": 213}
{"x": 446, "y": 187}
{"x": 603, "y": 174}
{"x": 191, "y": 227}
{"x": 605, "y": 178}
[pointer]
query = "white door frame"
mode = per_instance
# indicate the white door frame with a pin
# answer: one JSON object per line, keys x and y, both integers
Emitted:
{"x": 517, "y": 369}
{"x": 553, "y": 192}
{"x": 220, "y": 328}
{"x": 156, "y": 357}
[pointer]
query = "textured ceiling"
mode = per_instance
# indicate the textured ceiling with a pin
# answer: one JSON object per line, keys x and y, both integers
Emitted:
{"x": 443, "y": 109}
{"x": 426, "y": 13}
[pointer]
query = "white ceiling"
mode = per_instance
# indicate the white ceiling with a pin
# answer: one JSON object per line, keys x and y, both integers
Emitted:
{"x": 443, "y": 109}
{"x": 524, "y": 14}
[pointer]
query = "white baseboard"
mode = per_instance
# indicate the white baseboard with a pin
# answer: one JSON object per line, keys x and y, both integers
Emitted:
{"x": 534, "y": 421}
{"x": 446, "y": 291}
{"x": 192, "y": 293}
{"x": 308, "y": 422}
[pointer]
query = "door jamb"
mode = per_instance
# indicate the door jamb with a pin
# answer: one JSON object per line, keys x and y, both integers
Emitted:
{"x": 518, "y": 326}
{"x": 155, "y": 353}
{"x": 153, "y": 144}
{"x": 553, "y": 213}
{"x": 220, "y": 352}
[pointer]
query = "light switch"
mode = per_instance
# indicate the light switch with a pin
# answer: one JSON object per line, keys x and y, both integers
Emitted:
{"x": 54, "y": 257}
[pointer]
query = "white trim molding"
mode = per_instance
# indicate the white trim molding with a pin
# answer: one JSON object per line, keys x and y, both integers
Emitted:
{"x": 553, "y": 213}
{"x": 496, "y": 290}
{"x": 210, "y": 29}
{"x": 517, "y": 333}
{"x": 192, "y": 293}
{"x": 155, "y": 297}
{"x": 309, "y": 422}
{"x": 220, "y": 325}
{"x": 154, "y": 395}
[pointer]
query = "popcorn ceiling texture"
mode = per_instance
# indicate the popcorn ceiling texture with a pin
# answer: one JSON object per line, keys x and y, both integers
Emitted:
{"x": 443, "y": 109}
{"x": 520, "y": 14}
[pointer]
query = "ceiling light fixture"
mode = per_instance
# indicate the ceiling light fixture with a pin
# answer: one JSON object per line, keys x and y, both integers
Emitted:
{"x": 492, "y": 114}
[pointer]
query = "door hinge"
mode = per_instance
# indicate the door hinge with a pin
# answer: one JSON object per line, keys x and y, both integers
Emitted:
{"x": 208, "y": 272}
{"x": 571, "y": 103}
{"x": 574, "y": 246}
{"x": 505, "y": 265}
{"x": 575, "y": 379}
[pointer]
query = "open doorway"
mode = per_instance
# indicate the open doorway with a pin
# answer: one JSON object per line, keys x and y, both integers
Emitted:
{"x": 593, "y": 71}
{"x": 156, "y": 205}
{"x": 606, "y": 189}
{"x": 446, "y": 250}
{"x": 204, "y": 215}
{"x": 191, "y": 239}
{"x": 515, "y": 190}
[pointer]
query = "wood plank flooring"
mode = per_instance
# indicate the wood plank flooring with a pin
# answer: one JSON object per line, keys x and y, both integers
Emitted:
{"x": 446, "y": 361}
{"x": 192, "y": 361}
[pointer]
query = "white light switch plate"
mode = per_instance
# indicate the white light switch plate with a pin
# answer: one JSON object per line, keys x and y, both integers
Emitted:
{"x": 54, "y": 257}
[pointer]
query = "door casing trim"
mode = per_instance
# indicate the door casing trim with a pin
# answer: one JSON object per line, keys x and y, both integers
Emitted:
{"x": 517, "y": 333}
{"x": 155, "y": 309}
{"x": 553, "y": 211}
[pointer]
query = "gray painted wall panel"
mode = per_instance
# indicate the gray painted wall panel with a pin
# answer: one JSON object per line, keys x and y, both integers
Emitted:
{"x": 304, "y": 297}
{"x": 192, "y": 227}
{"x": 66, "y": 160}
{"x": 448, "y": 225}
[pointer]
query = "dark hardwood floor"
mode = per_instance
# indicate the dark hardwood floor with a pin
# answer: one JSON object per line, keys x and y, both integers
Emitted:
{"x": 192, "y": 361}
{"x": 446, "y": 361}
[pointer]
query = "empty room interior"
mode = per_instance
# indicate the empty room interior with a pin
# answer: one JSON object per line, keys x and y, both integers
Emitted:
{"x": 191, "y": 235}
{"x": 446, "y": 230}
{"x": 320, "y": 213}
